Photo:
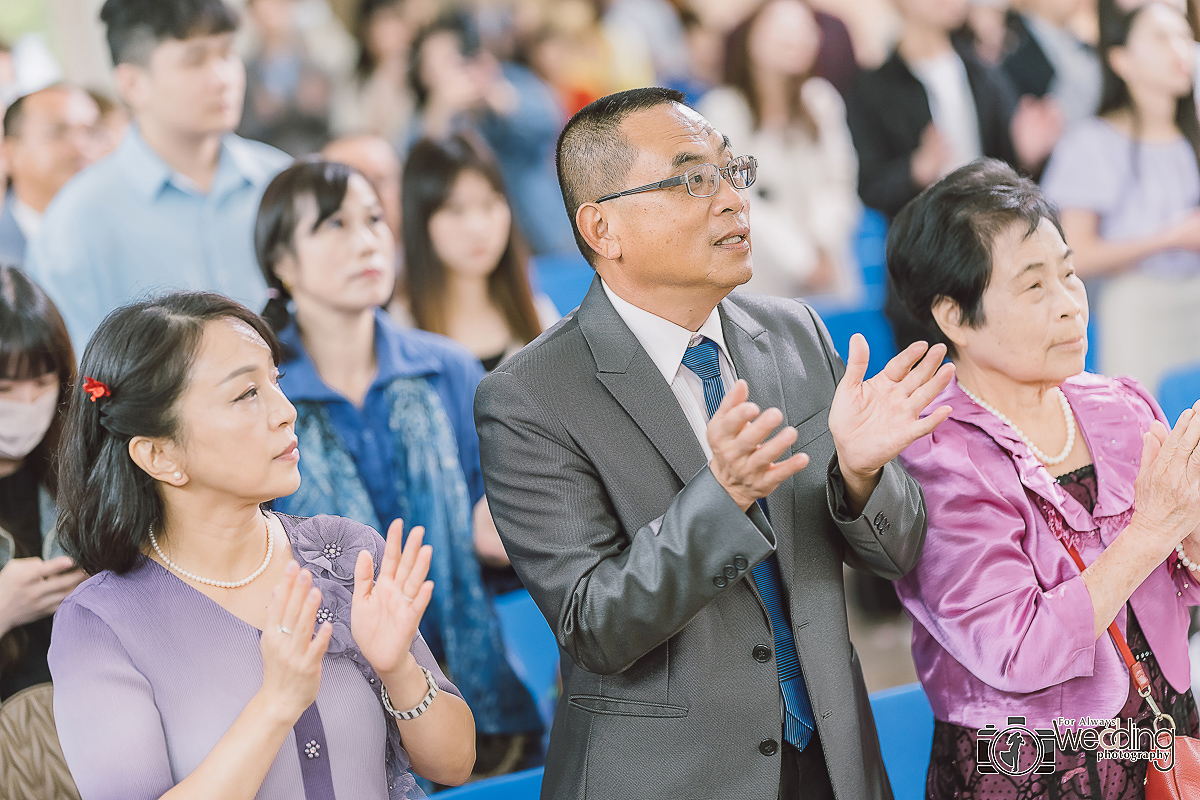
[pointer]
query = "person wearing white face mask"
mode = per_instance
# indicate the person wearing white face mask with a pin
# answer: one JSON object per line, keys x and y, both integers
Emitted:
{"x": 37, "y": 365}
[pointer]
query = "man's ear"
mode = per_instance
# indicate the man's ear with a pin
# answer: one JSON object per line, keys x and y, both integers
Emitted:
{"x": 595, "y": 226}
{"x": 132, "y": 83}
{"x": 948, "y": 316}
{"x": 158, "y": 458}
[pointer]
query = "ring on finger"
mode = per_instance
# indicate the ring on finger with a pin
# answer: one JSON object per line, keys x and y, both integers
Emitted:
{"x": 409, "y": 599}
{"x": 282, "y": 629}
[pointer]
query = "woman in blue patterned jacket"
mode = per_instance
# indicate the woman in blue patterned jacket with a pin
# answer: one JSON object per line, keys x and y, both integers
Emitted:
{"x": 385, "y": 424}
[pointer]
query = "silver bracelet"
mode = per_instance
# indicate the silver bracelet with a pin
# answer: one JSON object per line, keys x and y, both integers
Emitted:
{"x": 420, "y": 708}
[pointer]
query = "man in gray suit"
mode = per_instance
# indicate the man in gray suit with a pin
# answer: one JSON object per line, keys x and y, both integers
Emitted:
{"x": 688, "y": 559}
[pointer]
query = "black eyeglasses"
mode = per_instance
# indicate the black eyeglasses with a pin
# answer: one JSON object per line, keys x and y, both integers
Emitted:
{"x": 703, "y": 180}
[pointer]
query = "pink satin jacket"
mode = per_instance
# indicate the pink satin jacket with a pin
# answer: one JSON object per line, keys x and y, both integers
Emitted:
{"x": 1002, "y": 622}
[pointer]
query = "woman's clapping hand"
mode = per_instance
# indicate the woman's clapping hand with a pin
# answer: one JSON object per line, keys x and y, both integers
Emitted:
{"x": 387, "y": 610}
{"x": 1168, "y": 483}
{"x": 291, "y": 653}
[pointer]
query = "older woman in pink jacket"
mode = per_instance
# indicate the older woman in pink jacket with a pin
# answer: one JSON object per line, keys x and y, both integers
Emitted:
{"x": 1037, "y": 455}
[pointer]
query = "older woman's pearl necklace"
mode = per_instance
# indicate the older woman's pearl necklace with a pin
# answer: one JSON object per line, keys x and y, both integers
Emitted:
{"x": 208, "y": 581}
{"x": 1068, "y": 417}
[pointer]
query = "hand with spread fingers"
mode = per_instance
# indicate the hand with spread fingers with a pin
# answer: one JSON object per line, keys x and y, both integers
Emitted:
{"x": 386, "y": 611}
{"x": 1168, "y": 483}
{"x": 291, "y": 653}
{"x": 743, "y": 463}
{"x": 873, "y": 421}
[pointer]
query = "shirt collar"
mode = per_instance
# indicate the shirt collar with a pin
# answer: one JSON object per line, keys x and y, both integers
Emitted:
{"x": 27, "y": 219}
{"x": 663, "y": 340}
{"x": 1106, "y": 425}
{"x": 150, "y": 174}
{"x": 396, "y": 356}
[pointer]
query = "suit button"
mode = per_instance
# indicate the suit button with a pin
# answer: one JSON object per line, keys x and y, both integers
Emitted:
{"x": 761, "y": 653}
{"x": 720, "y": 582}
{"x": 730, "y": 572}
{"x": 740, "y": 562}
{"x": 768, "y": 747}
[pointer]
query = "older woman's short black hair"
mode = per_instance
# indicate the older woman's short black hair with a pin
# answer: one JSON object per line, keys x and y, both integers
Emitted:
{"x": 143, "y": 353}
{"x": 940, "y": 244}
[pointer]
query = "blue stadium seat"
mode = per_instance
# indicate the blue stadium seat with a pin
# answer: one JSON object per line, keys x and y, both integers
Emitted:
{"x": 564, "y": 278}
{"x": 1179, "y": 389}
{"x": 525, "y": 785}
{"x": 905, "y": 723}
{"x": 532, "y": 649}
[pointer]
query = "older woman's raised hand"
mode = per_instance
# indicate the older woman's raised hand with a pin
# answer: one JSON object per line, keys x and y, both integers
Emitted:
{"x": 291, "y": 653}
{"x": 386, "y": 611}
{"x": 1167, "y": 489}
{"x": 872, "y": 421}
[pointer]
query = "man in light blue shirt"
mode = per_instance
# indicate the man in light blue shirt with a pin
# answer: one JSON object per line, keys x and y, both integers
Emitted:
{"x": 174, "y": 206}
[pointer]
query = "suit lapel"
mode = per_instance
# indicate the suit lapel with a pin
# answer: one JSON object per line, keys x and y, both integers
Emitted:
{"x": 754, "y": 360}
{"x": 626, "y": 370}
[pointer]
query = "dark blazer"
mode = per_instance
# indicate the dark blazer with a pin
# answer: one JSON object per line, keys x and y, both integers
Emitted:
{"x": 639, "y": 559}
{"x": 1026, "y": 65}
{"x": 12, "y": 240}
{"x": 889, "y": 109}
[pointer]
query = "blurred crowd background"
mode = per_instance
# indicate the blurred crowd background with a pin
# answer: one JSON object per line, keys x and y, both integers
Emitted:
{"x": 851, "y": 107}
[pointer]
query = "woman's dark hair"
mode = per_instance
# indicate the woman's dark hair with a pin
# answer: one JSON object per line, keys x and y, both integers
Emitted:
{"x": 458, "y": 23}
{"x": 144, "y": 354}
{"x": 366, "y": 16}
{"x": 739, "y": 74}
{"x": 278, "y": 215}
{"x": 1115, "y": 26}
{"x": 429, "y": 177}
{"x": 34, "y": 342}
{"x": 940, "y": 244}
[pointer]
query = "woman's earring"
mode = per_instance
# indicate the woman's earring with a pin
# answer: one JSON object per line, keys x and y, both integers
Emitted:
{"x": 178, "y": 475}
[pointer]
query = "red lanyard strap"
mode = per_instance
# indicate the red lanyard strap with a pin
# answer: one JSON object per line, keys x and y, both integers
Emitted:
{"x": 1141, "y": 681}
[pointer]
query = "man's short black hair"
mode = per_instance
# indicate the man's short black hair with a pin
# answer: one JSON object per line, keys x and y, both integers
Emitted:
{"x": 593, "y": 157}
{"x": 14, "y": 115}
{"x": 940, "y": 244}
{"x": 136, "y": 27}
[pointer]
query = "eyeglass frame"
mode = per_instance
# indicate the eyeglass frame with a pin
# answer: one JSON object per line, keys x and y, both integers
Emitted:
{"x": 681, "y": 179}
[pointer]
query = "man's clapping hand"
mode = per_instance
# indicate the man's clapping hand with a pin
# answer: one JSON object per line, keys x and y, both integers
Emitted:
{"x": 873, "y": 421}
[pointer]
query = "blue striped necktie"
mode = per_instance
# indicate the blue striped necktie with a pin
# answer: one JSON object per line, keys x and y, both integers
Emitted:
{"x": 703, "y": 359}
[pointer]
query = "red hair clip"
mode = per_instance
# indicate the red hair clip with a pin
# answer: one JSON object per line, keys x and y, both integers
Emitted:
{"x": 96, "y": 389}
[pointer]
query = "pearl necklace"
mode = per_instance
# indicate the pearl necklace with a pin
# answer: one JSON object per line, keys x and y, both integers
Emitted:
{"x": 1068, "y": 417}
{"x": 208, "y": 581}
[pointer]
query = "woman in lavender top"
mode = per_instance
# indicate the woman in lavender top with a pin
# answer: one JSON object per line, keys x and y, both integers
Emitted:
{"x": 217, "y": 650}
{"x": 1128, "y": 184}
{"x": 1036, "y": 455}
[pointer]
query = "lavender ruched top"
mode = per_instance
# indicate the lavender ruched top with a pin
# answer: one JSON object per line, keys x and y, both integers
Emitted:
{"x": 1002, "y": 622}
{"x": 150, "y": 673}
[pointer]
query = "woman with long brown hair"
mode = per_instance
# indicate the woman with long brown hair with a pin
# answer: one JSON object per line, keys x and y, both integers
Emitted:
{"x": 806, "y": 206}
{"x": 466, "y": 264}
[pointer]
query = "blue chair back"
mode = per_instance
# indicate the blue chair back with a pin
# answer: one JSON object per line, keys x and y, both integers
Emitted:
{"x": 563, "y": 277}
{"x": 1179, "y": 390}
{"x": 904, "y": 720}
{"x": 525, "y": 785}
{"x": 532, "y": 649}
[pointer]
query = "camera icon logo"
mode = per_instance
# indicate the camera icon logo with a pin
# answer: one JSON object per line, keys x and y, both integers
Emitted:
{"x": 1015, "y": 749}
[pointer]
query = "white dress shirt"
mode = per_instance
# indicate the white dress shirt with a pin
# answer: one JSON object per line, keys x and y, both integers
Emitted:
{"x": 665, "y": 343}
{"x": 951, "y": 104}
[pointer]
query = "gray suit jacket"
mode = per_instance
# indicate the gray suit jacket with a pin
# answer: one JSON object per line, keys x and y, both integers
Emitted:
{"x": 615, "y": 523}
{"x": 12, "y": 240}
